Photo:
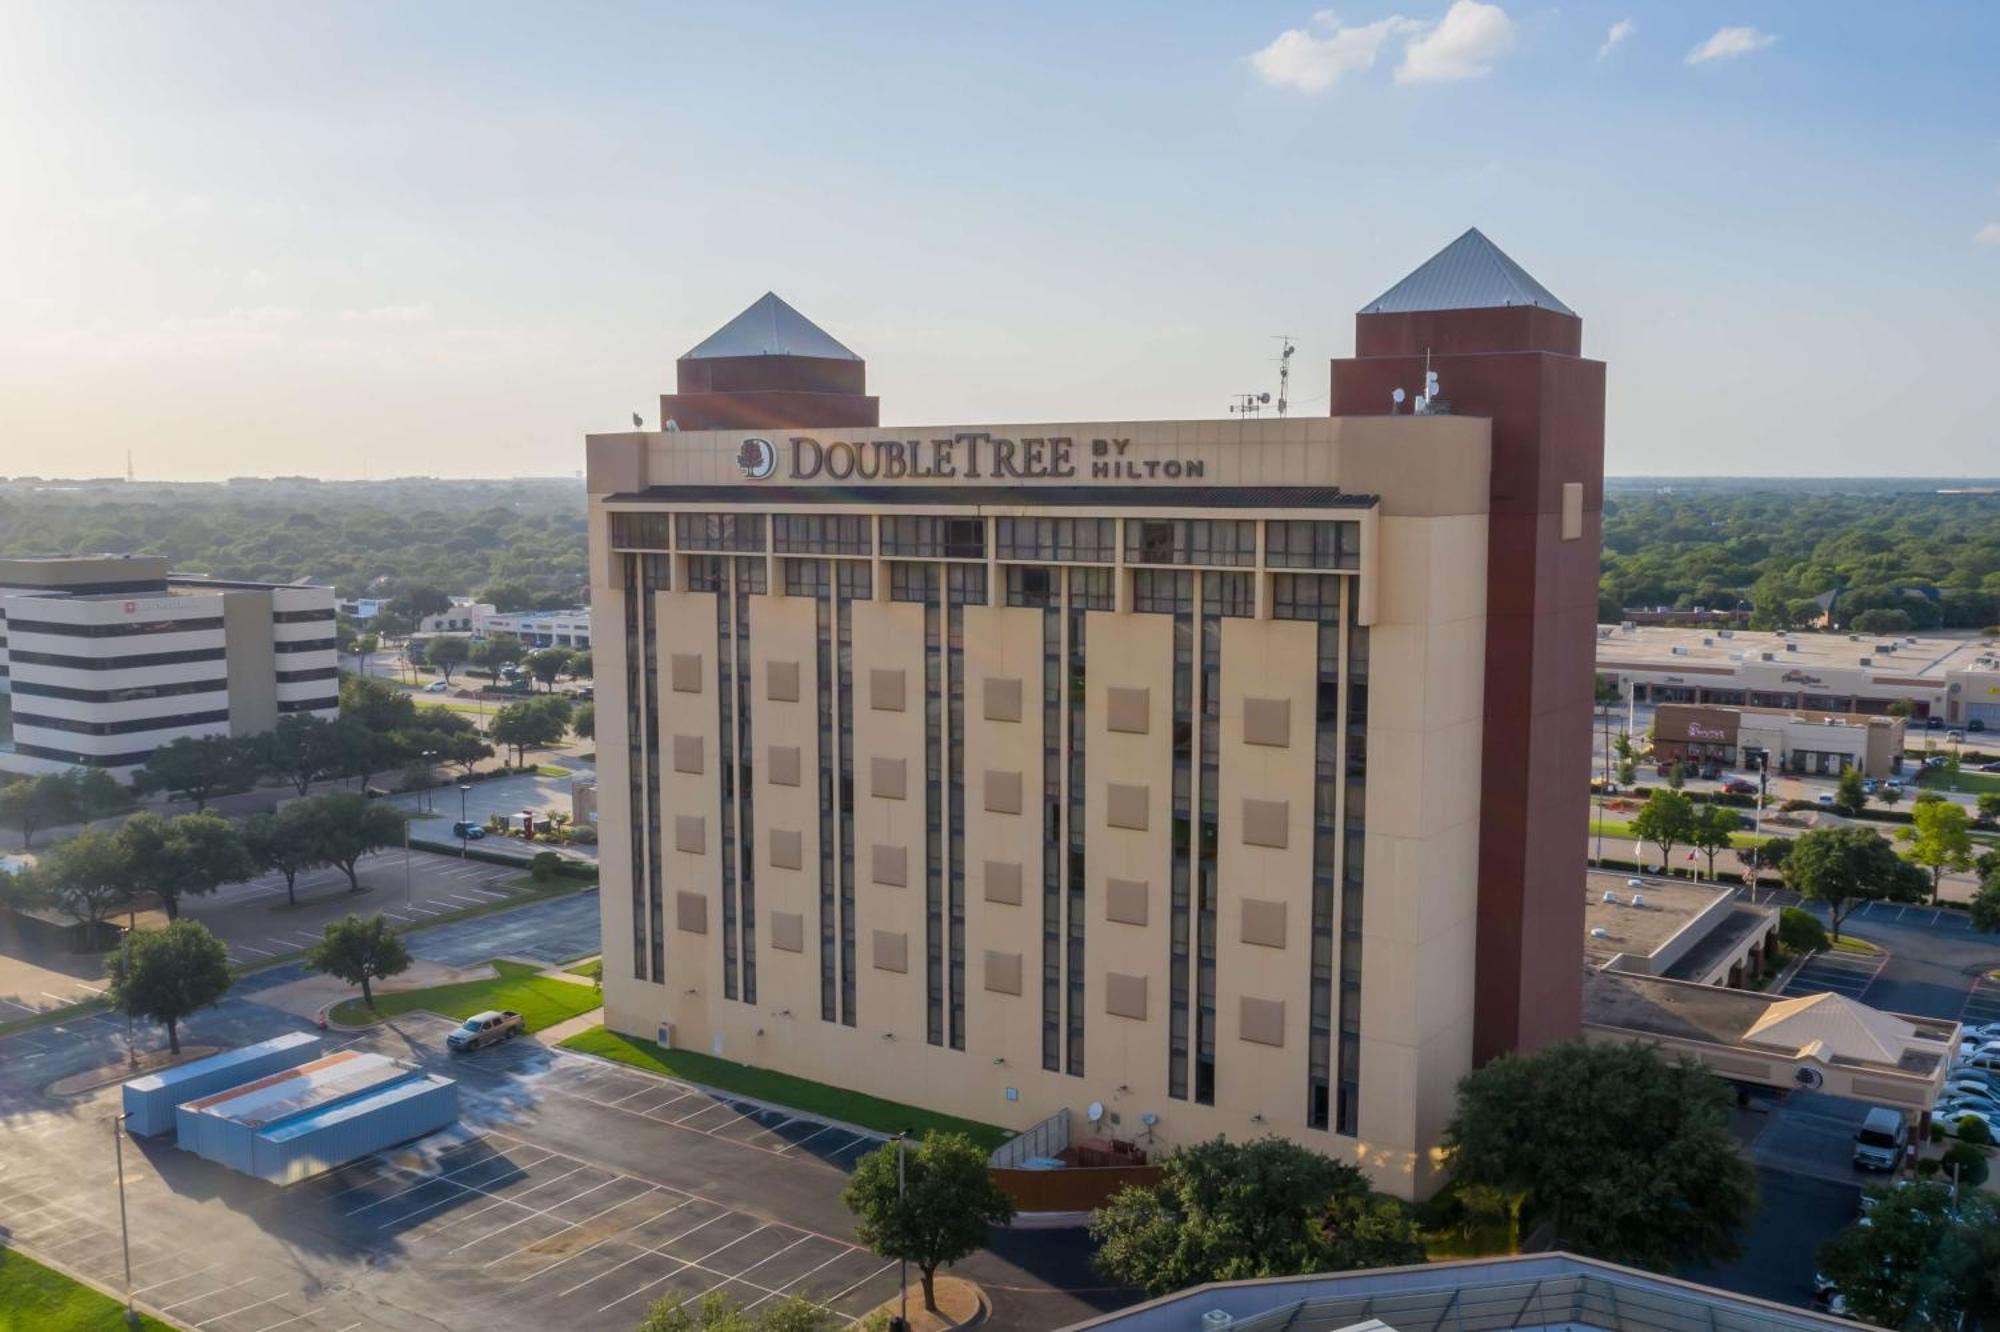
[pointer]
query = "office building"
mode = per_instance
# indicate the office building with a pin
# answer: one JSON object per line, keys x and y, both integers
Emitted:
{"x": 1819, "y": 743}
{"x": 106, "y": 658}
{"x": 1226, "y": 775}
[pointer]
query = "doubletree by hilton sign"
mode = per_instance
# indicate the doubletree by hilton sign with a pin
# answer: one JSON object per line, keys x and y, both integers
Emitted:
{"x": 969, "y": 456}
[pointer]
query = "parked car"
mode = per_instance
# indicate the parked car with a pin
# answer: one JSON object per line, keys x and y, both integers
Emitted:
{"x": 436, "y": 687}
{"x": 1826, "y": 800}
{"x": 1954, "y": 737}
{"x": 1892, "y": 784}
{"x": 1994, "y": 766}
{"x": 470, "y": 831}
{"x": 1981, "y": 1032}
{"x": 1738, "y": 786}
{"x": 1976, "y": 724}
{"x": 1952, "y": 1118}
{"x": 1711, "y": 771}
{"x": 484, "y": 1029}
{"x": 1878, "y": 1144}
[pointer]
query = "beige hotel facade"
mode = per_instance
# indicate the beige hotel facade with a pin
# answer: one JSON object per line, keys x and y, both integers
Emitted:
{"x": 1004, "y": 769}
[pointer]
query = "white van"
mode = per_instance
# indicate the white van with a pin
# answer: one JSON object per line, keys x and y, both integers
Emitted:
{"x": 1879, "y": 1143}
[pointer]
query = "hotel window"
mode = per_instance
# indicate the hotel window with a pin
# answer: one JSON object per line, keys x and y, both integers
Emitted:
{"x": 921, "y": 584}
{"x": 640, "y": 531}
{"x": 1041, "y": 588}
{"x": 645, "y": 575}
{"x": 1082, "y": 540}
{"x": 1190, "y": 541}
{"x": 1295, "y": 544}
{"x": 934, "y": 537}
{"x": 965, "y": 584}
{"x": 1161, "y": 593}
{"x": 853, "y": 581}
{"x": 822, "y": 534}
{"x": 720, "y": 531}
{"x": 813, "y": 578}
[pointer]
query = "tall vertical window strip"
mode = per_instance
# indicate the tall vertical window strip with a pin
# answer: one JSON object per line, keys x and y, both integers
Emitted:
{"x": 811, "y": 578}
{"x": 653, "y": 576}
{"x": 1041, "y": 588}
{"x": 852, "y": 582}
{"x": 1223, "y": 595}
{"x": 1352, "y": 878}
{"x": 635, "y": 766}
{"x": 1089, "y": 590}
{"x": 751, "y": 573}
{"x": 965, "y": 584}
{"x": 718, "y": 576}
{"x": 1172, "y": 593}
{"x": 920, "y": 583}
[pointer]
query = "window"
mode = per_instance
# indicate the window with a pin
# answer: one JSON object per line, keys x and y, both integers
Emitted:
{"x": 129, "y": 662}
{"x": 934, "y": 537}
{"x": 822, "y": 534}
{"x": 305, "y": 645}
{"x": 1190, "y": 541}
{"x": 122, "y": 629}
{"x": 302, "y": 616}
{"x": 32, "y": 689}
{"x": 1083, "y": 540}
{"x": 640, "y": 531}
{"x": 128, "y": 727}
{"x": 1296, "y": 544}
{"x": 720, "y": 531}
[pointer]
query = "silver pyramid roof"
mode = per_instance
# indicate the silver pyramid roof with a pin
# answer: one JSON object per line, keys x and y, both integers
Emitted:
{"x": 1471, "y": 273}
{"x": 770, "y": 328}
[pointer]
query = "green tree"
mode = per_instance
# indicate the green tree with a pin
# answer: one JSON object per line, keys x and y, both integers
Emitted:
{"x": 1626, "y": 1156}
{"x": 359, "y": 952}
{"x": 30, "y": 804}
{"x": 1843, "y": 867}
{"x": 198, "y": 767}
{"x": 447, "y": 652}
{"x": 1850, "y": 795}
{"x": 99, "y": 795}
{"x": 1939, "y": 840}
{"x": 1881, "y": 621}
{"x": 584, "y": 721}
{"x": 1986, "y": 906}
{"x": 347, "y": 827}
{"x": 86, "y": 878}
{"x": 493, "y": 653}
{"x": 1989, "y": 806}
{"x": 530, "y": 724}
{"x": 1666, "y": 820}
{"x": 286, "y": 841}
{"x": 1711, "y": 829}
{"x": 188, "y": 856}
{"x": 547, "y": 664}
{"x": 581, "y": 665}
{"x": 303, "y": 750}
{"x": 166, "y": 975}
{"x": 1913, "y": 1261}
{"x": 1800, "y": 931}
{"x": 718, "y": 1313}
{"x": 361, "y": 647}
{"x": 939, "y": 1214}
{"x": 1229, "y": 1211}
{"x": 418, "y": 600}
{"x": 376, "y": 705}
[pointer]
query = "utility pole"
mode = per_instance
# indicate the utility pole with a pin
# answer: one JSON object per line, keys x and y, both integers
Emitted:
{"x": 124, "y": 1230}
{"x": 903, "y": 1264}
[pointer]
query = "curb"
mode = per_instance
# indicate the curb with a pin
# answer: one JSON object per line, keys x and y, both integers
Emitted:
{"x": 90, "y": 1283}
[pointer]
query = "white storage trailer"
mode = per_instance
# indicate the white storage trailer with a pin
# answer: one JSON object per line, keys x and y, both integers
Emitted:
{"x": 150, "y": 1100}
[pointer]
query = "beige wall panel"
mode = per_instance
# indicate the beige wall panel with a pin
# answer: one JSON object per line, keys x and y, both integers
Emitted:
{"x": 694, "y": 961}
{"x": 687, "y": 754}
{"x": 1264, "y": 659}
{"x": 889, "y": 670}
{"x": 783, "y": 630}
{"x": 781, "y": 678}
{"x": 630, "y": 1003}
{"x": 1005, "y": 643}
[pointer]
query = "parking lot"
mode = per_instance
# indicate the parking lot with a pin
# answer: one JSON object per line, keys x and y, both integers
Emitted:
{"x": 505, "y": 796}
{"x": 1982, "y": 1002}
{"x": 1847, "y": 974}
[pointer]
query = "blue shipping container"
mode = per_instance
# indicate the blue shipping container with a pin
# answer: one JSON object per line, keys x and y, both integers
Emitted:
{"x": 224, "y": 1127}
{"x": 150, "y": 1101}
{"x": 324, "y": 1139}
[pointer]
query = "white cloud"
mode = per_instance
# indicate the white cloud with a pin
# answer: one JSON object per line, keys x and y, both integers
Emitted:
{"x": 1612, "y": 40}
{"x": 1463, "y": 45}
{"x": 1989, "y": 234}
{"x": 1728, "y": 43}
{"x": 1313, "y": 61}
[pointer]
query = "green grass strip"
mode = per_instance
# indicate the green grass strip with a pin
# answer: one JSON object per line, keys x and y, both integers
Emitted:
{"x": 34, "y": 1298}
{"x": 540, "y": 1000}
{"x": 813, "y": 1098}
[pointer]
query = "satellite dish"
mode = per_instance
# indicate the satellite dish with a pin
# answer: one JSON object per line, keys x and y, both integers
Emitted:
{"x": 1149, "y": 1119}
{"x": 1263, "y": 397}
{"x": 1095, "y": 1111}
{"x": 1397, "y": 397}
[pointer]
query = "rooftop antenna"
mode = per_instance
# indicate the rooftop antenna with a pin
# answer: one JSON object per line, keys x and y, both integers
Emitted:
{"x": 1427, "y": 400}
{"x": 128, "y": 465}
{"x": 1249, "y": 404}
{"x": 1285, "y": 373}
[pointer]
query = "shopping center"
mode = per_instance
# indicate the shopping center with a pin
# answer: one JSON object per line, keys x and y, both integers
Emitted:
{"x": 1213, "y": 776}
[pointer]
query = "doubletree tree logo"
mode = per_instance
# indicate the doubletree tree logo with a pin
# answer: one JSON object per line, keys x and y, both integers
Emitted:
{"x": 757, "y": 457}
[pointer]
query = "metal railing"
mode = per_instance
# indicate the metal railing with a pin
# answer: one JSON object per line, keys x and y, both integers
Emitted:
{"x": 1046, "y": 1138}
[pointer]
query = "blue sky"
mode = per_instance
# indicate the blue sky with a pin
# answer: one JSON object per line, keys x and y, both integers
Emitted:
{"x": 452, "y": 238}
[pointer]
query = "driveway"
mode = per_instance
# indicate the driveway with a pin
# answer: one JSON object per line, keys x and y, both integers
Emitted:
{"x": 506, "y": 796}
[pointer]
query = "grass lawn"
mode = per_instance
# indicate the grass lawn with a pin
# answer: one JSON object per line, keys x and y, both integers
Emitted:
{"x": 541, "y": 1001}
{"x": 1975, "y": 782}
{"x": 34, "y": 1298}
{"x": 594, "y": 968}
{"x": 1741, "y": 841}
{"x": 852, "y": 1107}
{"x": 1848, "y": 945}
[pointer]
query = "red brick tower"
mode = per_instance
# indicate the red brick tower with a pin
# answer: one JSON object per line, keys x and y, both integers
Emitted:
{"x": 769, "y": 367}
{"x": 1504, "y": 348}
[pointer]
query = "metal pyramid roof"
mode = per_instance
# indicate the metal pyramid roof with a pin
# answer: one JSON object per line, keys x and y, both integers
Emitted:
{"x": 770, "y": 328}
{"x": 1471, "y": 273}
{"x": 1846, "y": 1029}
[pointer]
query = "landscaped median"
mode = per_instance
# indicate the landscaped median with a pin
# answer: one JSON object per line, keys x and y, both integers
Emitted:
{"x": 34, "y": 1298}
{"x": 542, "y": 1001}
{"x": 779, "y": 1089}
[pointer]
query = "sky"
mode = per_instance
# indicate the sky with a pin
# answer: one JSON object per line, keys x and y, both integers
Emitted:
{"x": 450, "y": 239}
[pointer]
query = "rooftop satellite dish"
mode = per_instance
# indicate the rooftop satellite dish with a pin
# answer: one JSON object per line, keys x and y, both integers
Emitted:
{"x": 1094, "y": 1111}
{"x": 1397, "y": 397}
{"x": 1149, "y": 1119}
{"x": 1265, "y": 397}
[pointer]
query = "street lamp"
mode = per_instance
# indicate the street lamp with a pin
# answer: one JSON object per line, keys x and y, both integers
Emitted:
{"x": 429, "y": 802}
{"x": 124, "y": 1230}
{"x": 464, "y": 831}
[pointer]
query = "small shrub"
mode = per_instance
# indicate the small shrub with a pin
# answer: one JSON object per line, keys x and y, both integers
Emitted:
{"x": 1975, "y": 1132}
{"x": 1927, "y": 1167}
{"x": 545, "y": 866}
{"x": 1800, "y": 932}
{"x": 1969, "y": 1161}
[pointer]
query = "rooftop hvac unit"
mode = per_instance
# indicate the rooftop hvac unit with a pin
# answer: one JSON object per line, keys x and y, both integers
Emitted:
{"x": 1610, "y": 897}
{"x": 1854, "y": 638}
{"x": 1678, "y": 650}
{"x": 1638, "y": 899}
{"x": 1791, "y": 647}
{"x": 1604, "y": 631}
{"x": 1736, "y": 656}
{"x": 1627, "y": 626}
{"x": 1217, "y": 1319}
{"x": 1766, "y": 656}
{"x": 1868, "y": 661}
{"x": 1599, "y": 932}
{"x": 1708, "y": 642}
{"x": 1725, "y": 633}
{"x": 1779, "y": 632}
{"x": 1910, "y": 638}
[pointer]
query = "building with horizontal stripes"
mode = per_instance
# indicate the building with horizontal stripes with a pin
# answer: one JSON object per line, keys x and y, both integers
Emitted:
{"x": 1223, "y": 776}
{"x": 106, "y": 658}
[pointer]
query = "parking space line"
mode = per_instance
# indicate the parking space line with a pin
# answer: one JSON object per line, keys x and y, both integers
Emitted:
{"x": 245, "y": 1309}
{"x": 433, "y": 1179}
{"x": 272, "y": 1327}
{"x": 219, "y": 1290}
{"x": 606, "y": 1240}
{"x": 182, "y": 1277}
{"x": 260, "y": 952}
{"x": 845, "y": 1250}
{"x": 754, "y": 1266}
{"x": 685, "y": 1265}
{"x": 646, "y": 1253}
{"x": 808, "y": 1138}
{"x": 649, "y": 1191}
{"x": 859, "y": 1284}
{"x": 532, "y": 1215}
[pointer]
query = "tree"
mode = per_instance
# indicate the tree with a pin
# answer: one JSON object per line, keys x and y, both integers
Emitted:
{"x": 1939, "y": 839}
{"x": 1676, "y": 775}
{"x": 1228, "y": 1211}
{"x": 359, "y": 952}
{"x": 347, "y": 827}
{"x": 1850, "y": 795}
{"x": 1710, "y": 831}
{"x": 1881, "y": 621}
{"x": 99, "y": 796}
{"x": 493, "y": 653}
{"x": 417, "y": 600}
{"x": 1986, "y": 906}
{"x": 1800, "y": 931}
{"x": 1989, "y": 806}
{"x": 1626, "y": 1156}
{"x": 1844, "y": 867}
{"x": 361, "y": 647}
{"x": 86, "y": 878}
{"x": 191, "y": 855}
{"x": 547, "y": 664}
{"x": 198, "y": 767}
{"x": 584, "y": 721}
{"x": 1902, "y": 707}
{"x": 447, "y": 652}
{"x": 31, "y": 804}
{"x": 530, "y": 723}
{"x": 581, "y": 665}
{"x": 947, "y": 1203}
{"x": 718, "y": 1313}
{"x": 302, "y": 750}
{"x": 166, "y": 975}
{"x": 286, "y": 841}
{"x": 376, "y": 705}
{"x": 1666, "y": 819}
{"x": 1915, "y": 1263}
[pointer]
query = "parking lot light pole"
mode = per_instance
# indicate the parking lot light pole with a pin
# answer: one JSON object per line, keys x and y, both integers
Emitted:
{"x": 902, "y": 1264}
{"x": 124, "y": 1231}
{"x": 406, "y": 865}
{"x": 464, "y": 833}
{"x": 429, "y": 797}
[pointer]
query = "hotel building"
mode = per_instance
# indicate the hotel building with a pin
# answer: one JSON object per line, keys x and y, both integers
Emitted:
{"x": 1227, "y": 775}
{"x": 108, "y": 657}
